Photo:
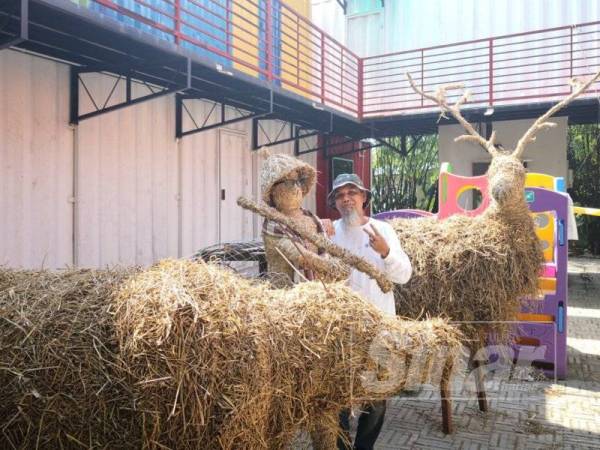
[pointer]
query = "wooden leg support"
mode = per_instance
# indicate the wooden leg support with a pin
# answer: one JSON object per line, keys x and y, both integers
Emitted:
{"x": 445, "y": 395}
{"x": 480, "y": 385}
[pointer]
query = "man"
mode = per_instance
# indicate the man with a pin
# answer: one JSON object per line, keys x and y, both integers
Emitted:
{"x": 376, "y": 242}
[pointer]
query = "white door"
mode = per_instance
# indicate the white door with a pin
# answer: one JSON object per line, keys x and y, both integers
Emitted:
{"x": 235, "y": 179}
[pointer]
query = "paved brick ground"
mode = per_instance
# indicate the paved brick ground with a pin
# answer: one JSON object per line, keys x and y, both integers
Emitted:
{"x": 526, "y": 411}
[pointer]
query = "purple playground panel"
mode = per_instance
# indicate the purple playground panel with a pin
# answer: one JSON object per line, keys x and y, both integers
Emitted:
{"x": 546, "y": 343}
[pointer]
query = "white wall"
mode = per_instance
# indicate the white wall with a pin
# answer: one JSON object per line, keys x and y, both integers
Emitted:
{"x": 410, "y": 25}
{"x": 36, "y": 160}
{"x": 140, "y": 195}
{"x": 413, "y": 24}
{"x": 329, "y": 16}
{"x": 548, "y": 154}
{"x": 127, "y": 183}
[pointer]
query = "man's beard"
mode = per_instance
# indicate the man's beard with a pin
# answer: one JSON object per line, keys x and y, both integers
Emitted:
{"x": 350, "y": 217}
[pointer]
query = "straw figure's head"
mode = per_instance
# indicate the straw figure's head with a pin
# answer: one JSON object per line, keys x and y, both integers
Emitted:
{"x": 285, "y": 181}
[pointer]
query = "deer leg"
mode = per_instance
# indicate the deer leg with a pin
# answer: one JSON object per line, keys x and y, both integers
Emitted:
{"x": 325, "y": 430}
{"x": 480, "y": 384}
{"x": 445, "y": 395}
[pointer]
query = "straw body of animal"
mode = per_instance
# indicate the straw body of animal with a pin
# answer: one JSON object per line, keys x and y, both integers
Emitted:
{"x": 471, "y": 269}
{"x": 191, "y": 355}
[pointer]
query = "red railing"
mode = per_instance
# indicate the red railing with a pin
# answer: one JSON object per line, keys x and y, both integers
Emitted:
{"x": 270, "y": 40}
{"x": 265, "y": 38}
{"x": 518, "y": 68}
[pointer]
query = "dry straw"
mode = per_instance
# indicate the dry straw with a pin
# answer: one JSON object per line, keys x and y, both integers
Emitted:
{"x": 191, "y": 355}
{"x": 469, "y": 270}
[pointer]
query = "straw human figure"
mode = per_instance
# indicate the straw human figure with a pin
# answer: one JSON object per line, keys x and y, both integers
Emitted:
{"x": 285, "y": 181}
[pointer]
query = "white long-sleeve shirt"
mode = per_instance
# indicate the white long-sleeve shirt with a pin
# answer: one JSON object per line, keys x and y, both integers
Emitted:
{"x": 396, "y": 265}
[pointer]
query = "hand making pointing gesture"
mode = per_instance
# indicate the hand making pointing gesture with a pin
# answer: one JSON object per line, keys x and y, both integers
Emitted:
{"x": 377, "y": 242}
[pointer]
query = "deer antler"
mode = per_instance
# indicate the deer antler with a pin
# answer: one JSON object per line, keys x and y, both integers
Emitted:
{"x": 440, "y": 99}
{"x": 541, "y": 123}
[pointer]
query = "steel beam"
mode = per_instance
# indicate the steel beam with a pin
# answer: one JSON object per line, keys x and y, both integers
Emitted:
{"x": 129, "y": 75}
{"x": 180, "y": 108}
{"x": 295, "y": 134}
{"x": 23, "y": 33}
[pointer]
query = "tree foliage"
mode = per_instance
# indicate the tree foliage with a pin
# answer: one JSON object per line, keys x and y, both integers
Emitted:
{"x": 410, "y": 181}
{"x": 583, "y": 153}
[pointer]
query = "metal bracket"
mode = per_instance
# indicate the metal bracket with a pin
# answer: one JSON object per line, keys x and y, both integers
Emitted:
{"x": 295, "y": 134}
{"x": 128, "y": 75}
{"x": 222, "y": 120}
{"x": 327, "y": 145}
{"x": 23, "y": 32}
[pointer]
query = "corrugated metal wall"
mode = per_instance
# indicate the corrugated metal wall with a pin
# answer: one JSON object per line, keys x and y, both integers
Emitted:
{"x": 329, "y": 16}
{"x": 140, "y": 195}
{"x": 127, "y": 176}
{"x": 36, "y": 160}
{"x": 413, "y": 24}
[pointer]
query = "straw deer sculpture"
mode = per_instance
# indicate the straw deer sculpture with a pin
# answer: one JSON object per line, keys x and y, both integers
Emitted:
{"x": 477, "y": 269}
{"x": 191, "y": 355}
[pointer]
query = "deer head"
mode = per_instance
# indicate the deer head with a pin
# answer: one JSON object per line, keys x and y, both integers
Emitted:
{"x": 506, "y": 174}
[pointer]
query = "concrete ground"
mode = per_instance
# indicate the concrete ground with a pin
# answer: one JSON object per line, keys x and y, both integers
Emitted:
{"x": 526, "y": 410}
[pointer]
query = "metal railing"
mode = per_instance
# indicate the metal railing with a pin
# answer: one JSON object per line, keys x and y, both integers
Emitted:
{"x": 270, "y": 40}
{"x": 264, "y": 38}
{"x": 518, "y": 68}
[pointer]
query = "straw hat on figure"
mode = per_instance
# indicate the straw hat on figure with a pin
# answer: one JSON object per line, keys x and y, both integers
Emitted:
{"x": 285, "y": 181}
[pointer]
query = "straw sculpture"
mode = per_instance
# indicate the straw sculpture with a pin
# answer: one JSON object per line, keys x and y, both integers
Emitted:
{"x": 191, "y": 355}
{"x": 285, "y": 181}
{"x": 477, "y": 268}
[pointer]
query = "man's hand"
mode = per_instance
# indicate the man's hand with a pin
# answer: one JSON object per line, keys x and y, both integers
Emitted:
{"x": 377, "y": 242}
{"x": 328, "y": 227}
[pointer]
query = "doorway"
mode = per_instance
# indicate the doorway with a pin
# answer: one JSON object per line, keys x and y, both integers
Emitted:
{"x": 235, "y": 180}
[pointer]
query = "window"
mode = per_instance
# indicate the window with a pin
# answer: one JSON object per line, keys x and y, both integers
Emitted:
{"x": 363, "y": 6}
{"x": 340, "y": 166}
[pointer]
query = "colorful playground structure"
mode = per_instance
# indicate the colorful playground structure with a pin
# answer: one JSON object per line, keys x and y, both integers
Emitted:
{"x": 541, "y": 333}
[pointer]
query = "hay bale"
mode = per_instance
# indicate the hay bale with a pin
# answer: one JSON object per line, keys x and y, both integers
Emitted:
{"x": 190, "y": 355}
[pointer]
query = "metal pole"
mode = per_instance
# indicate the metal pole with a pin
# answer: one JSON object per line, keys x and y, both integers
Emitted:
{"x": 177, "y": 22}
{"x": 268, "y": 38}
{"x": 491, "y": 73}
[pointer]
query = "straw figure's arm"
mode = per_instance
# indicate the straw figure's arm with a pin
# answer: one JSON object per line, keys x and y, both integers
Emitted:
{"x": 326, "y": 268}
{"x": 320, "y": 241}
